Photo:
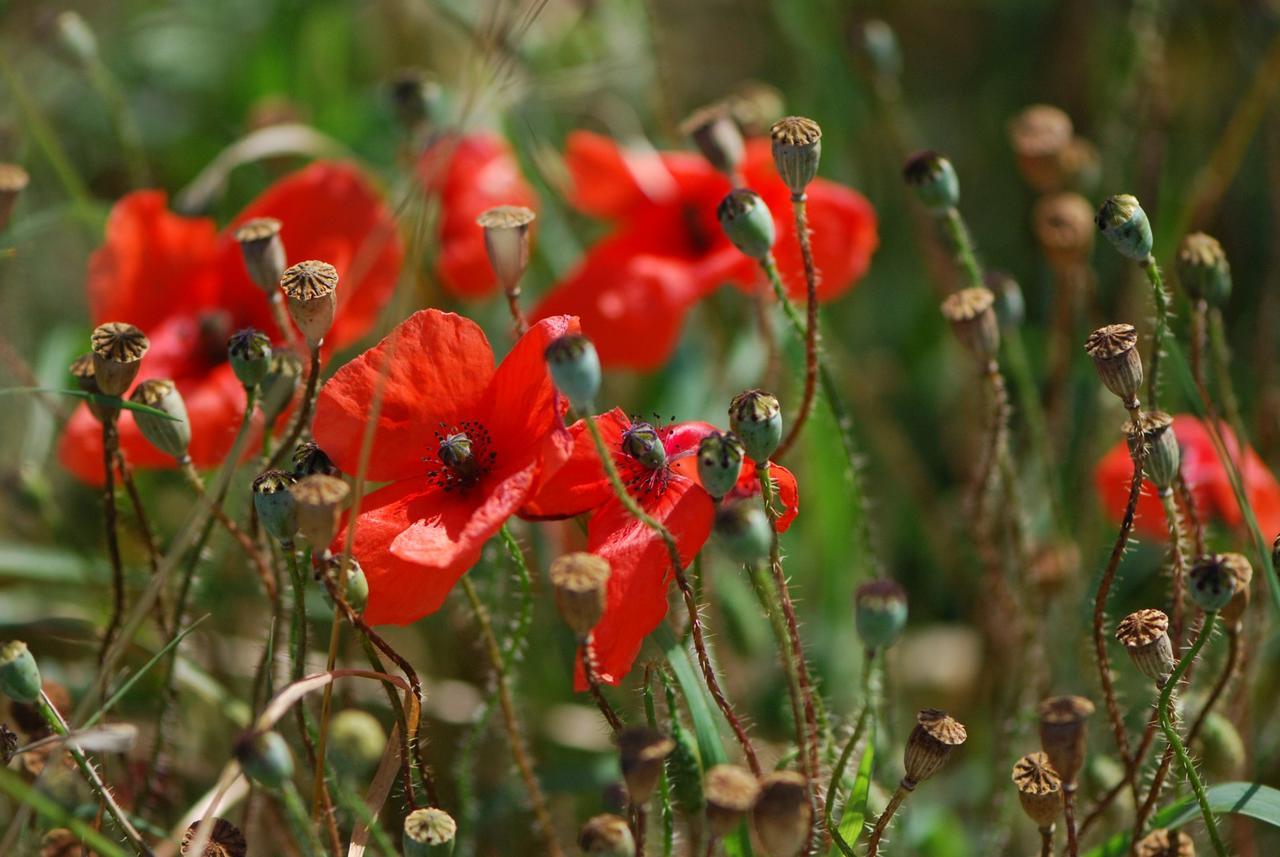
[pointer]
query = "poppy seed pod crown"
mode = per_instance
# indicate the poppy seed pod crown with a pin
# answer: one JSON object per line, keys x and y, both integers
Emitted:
{"x": 118, "y": 349}
{"x": 429, "y": 832}
{"x": 797, "y": 147}
{"x": 1063, "y": 733}
{"x": 972, "y": 317}
{"x": 1145, "y": 636}
{"x": 606, "y": 835}
{"x": 311, "y": 289}
{"x": 225, "y": 840}
{"x": 1039, "y": 789}
{"x": 930, "y": 744}
{"x": 506, "y": 243}
{"x": 1203, "y": 269}
{"x": 1114, "y": 350}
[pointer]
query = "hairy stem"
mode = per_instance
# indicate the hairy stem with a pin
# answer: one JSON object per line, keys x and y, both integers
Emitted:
{"x": 260, "y": 564}
{"x": 1161, "y": 297}
{"x": 865, "y": 718}
{"x": 303, "y": 417}
{"x": 1220, "y": 686}
{"x": 905, "y": 788}
{"x": 589, "y": 670}
{"x": 962, "y": 246}
{"x": 110, "y": 444}
{"x": 810, "y": 329}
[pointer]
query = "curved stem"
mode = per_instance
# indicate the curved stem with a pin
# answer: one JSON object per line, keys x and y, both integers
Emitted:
{"x": 1161, "y": 297}
{"x": 664, "y": 787}
{"x": 761, "y": 585}
{"x": 1220, "y": 686}
{"x": 299, "y": 423}
{"x": 1177, "y": 565}
{"x": 593, "y": 684}
{"x": 899, "y": 797}
{"x": 810, "y": 329}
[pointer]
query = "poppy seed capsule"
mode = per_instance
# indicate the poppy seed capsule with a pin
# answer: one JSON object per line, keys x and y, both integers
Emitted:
{"x": 1203, "y": 269}
{"x": 1064, "y": 229}
{"x": 880, "y": 612}
{"x": 1039, "y": 789}
{"x": 1212, "y": 582}
{"x": 1010, "y": 306}
{"x": 81, "y": 371}
{"x": 1165, "y": 843}
{"x": 263, "y": 252}
{"x": 579, "y": 583}
{"x": 1063, "y": 733}
{"x": 1125, "y": 225}
{"x": 225, "y": 840}
{"x": 357, "y": 740}
{"x": 719, "y": 462}
{"x": 319, "y": 500}
{"x": 311, "y": 288}
{"x": 277, "y": 510}
{"x": 929, "y": 745}
{"x": 265, "y": 757}
{"x": 744, "y": 531}
{"x": 309, "y": 459}
{"x": 1163, "y": 456}
{"x": 747, "y": 223}
{"x": 19, "y": 674}
{"x": 506, "y": 242}
{"x": 13, "y": 179}
{"x": 1039, "y": 135}
{"x": 971, "y": 314}
{"x": 1145, "y": 636}
{"x": 356, "y": 593}
{"x": 717, "y": 137}
{"x": 1239, "y": 565}
{"x": 797, "y": 147}
{"x": 575, "y": 369}
{"x": 642, "y": 442}
{"x": 1114, "y": 350}
{"x": 606, "y": 835}
{"x": 429, "y": 832}
{"x": 118, "y": 349}
{"x": 284, "y": 373}
{"x": 934, "y": 181}
{"x": 782, "y": 814}
{"x": 756, "y": 418}
{"x": 170, "y": 436}
{"x": 641, "y": 751}
{"x": 249, "y": 352}
{"x": 731, "y": 793}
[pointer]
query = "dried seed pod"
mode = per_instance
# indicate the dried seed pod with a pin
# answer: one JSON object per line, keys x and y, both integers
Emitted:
{"x": 930, "y": 744}
{"x": 642, "y": 751}
{"x": 934, "y": 181}
{"x": 1039, "y": 789}
{"x": 972, "y": 317}
{"x": 1063, "y": 733}
{"x": 1063, "y": 226}
{"x": 606, "y": 836}
{"x": 717, "y": 137}
{"x": 1145, "y": 636}
{"x": 747, "y": 223}
{"x": 263, "y": 252}
{"x": 720, "y": 462}
{"x": 506, "y": 242}
{"x": 1114, "y": 350}
{"x": 755, "y": 417}
{"x": 1039, "y": 135}
{"x": 170, "y": 436}
{"x": 797, "y": 148}
{"x": 782, "y": 814}
{"x": 429, "y": 832}
{"x": 311, "y": 288}
{"x": 118, "y": 349}
{"x": 1212, "y": 581}
{"x": 575, "y": 369}
{"x": 319, "y": 500}
{"x": 61, "y": 842}
{"x": 880, "y": 612}
{"x": 1239, "y": 566}
{"x": 1126, "y": 226}
{"x": 579, "y": 582}
{"x": 1203, "y": 269}
{"x": 731, "y": 793}
{"x": 1165, "y": 843}
{"x": 1163, "y": 457}
{"x": 13, "y": 179}
{"x": 225, "y": 840}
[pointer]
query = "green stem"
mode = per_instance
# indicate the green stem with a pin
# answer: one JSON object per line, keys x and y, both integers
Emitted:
{"x": 810, "y": 329}
{"x": 515, "y": 643}
{"x": 664, "y": 787}
{"x": 762, "y": 585}
{"x": 307, "y": 836}
{"x": 962, "y": 245}
{"x": 1161, "y": 297}
{"x": 27, "y": 795}
{"x": 1221, "y": 356}
{"x": 865, "y": 718}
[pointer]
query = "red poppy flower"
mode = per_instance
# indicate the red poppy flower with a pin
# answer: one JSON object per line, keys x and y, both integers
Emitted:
{"x": 472, "y": 174}
{"x": 463, "y": 445}
{"x": 633, "y": 288}
{"x": 186, "y": 286}
{"x": 636, "y": 599}
{"x": 1205, "y": 476}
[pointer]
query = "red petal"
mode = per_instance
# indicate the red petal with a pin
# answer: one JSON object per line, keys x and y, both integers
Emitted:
{"x": 608, "y": 181}
{"x": 1259, "y": 484}
{"x": 1114, "y": 472}
{"x": 579, "y": 485}
{"x": 522, "y": 403}
{"x": 438, "y": 367}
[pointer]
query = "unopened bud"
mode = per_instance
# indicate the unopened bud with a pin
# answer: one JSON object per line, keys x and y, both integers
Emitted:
{"x": 934, "y": 181}
{"x": 575, "y": 369}
{"x": 265, "y": 757}
{"x": 19, "y": 675}
{"x": 756, "y": 418}
{"x": 1125, "y": 225}
{"x": 719, "y": 462}
{"x": 747, "y": 223}
{"x": 249, "y": 352}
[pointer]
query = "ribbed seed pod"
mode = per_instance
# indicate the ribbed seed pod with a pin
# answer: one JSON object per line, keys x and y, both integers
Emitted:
{"x": 263, "y": 251}
{"x": 797, "y": 148}
{"x": 1039, "y": 789}
{"x": 319, "y": 501}
{"x": 311, "y": 288}
{"x": 606, "y": 836}
{"x": 930, "y": 744}
{"x": 170, "y": 436}
{"x": 1163, "y": 456}
{"x": 971, "y": 314}
{"x": 1063, "y": 733}
{"x": 717, "y": 137}
{"x": 1145, "y": 636}
{"x": 1114, "y": 350}
{"x": 506, "y": 242}
{"x": 731, "y": 793}
{"x": 225, "y": 840}
{"x": 118, "y": 349}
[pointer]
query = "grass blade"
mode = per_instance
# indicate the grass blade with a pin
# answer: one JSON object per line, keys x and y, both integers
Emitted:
{"x": 96, "y": 398}
{"x": 854, "y": 815}
{"x": 1252, "y": 800}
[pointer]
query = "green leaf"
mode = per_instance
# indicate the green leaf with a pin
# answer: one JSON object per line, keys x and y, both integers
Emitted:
{"x": 12, "y": 785}
{"x": 96, "y": 398}
{"x": 854, "y": 815}
{"x": 1252, "y": 800}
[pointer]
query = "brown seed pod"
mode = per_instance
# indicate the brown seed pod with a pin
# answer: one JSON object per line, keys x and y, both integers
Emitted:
{"x": 118, "y": 349}
{"x": 731, "y": 792}
{"x": 1145, "y": 636}
{"x": 225, "y": 840}
{"x": 1240, "y": 567}
{"x": 506, "y": 242}
{"x": 797, "y": 148}
{"x": 311, "y": 289}
{"x": 1063, "y": 733}
{"x": 1166, "y": 843}
{"x": 1163, "y": 456}
{"x": 606, "y": 836}
{"x": 1039, "y": 135}
{"x": 1064, "y": 228}
{"x": 782, "y": 814}
{"x": 1114, "y": 350}
{"x": 60, "y": 842}
{"x": 717, "y": 137}
{"x": 263, "y": 251}
{"x": 971, "y": 314}
{"x": 13, "y": 179}
{"x": 1039, "y": 789}
{"x": 579, "y": 580}
{"x": 642, "y": 752}
{"x": 930, "y": 744}
{"x": 319, "y": 501}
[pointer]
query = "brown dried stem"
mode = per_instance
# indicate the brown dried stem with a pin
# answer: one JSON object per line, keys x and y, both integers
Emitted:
{"x": 299, "y": 423}
{"x": 593, "y": 683}
{"x": 110, "y": 444}
{"x": 260, "y": 564}
{"x": 811, "y": 327}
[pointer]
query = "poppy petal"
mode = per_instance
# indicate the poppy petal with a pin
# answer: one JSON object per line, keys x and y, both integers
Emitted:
{"x": 579, "y": 484}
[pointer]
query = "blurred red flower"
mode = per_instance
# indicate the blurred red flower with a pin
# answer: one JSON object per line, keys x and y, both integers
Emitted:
{"x": 634, "y": 287}
{"x": 636, "y": 599}
{"x": 463, "y": 445}
{"x": 472, "y": 174}
{"x": 185, "y": 285}
{"x": 1205, "y": 476}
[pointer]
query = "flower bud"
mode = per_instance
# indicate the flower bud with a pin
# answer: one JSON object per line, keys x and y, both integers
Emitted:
{"x": 929, "y": 745}
{"x": 575, "y": 369}
{"x": 13, "y": 179}
{"x": 19, "y": 675}
{"x": 1163, "y": 456}
{"x": 1203, "y": 269}
{"x": 1114, "y": 350}
{"x": 642, "y": 442}
{"x": 744, "y": 531}
{"x": 579, "y": 581}
{"x": 225, "y": 840}
{"x": 719, "y": 462}
{"x": 1239, "y": 566}
{"x": 429, "y": 832}
{"x": 284, "y": 373}
{"x": 1010, "y": 306}
{"x": 1063, "y": 734}
{"x": 319, "y": 500}
{"x": 1145, "y": 636}
{"x": 1220, "y": 748}
{"x": 756, "y": 418}
{"x": 782, "y": 814}
{"x": 797, "y": 146}
{"x": 1165, "y": 843}
{"x": 506, "y": 241}
{"x": 747, "y": 223}
{"x": 1125, "y": 225}
{"x": 717, "y": 137}
{"x": 311, "y": 288}
{"x": 265, "y": 757}
{"x": 642, "y": 751}
{"x": 356, "y": 592}
{"x": 309, "y": 459}
{"x": 1039, "y": 789}
{"x": 249, "y": 352}
{"x": 118, "y": 349}
{"x": 934, "y": 181}
{"x": 263, "y": 252}
{"x": 731, "y": 793}
{"x": 972, "y": 317}
{"x": 173, "y": 436}
{"x": 1212, "y": 582}
{"x": 606, "y": 836}
{"x": 1063, "y": 226}
{"x": 277, "y": 510}
{"x": 880, "y": 612}
{"x": 1039, "y": 135}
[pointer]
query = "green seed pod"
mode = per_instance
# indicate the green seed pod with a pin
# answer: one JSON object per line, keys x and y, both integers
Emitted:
{"x": 606, "y": 836}
{"x": 1125, "y": 225}
{"x": 284, "y": 374}
{"x": 249, "y": 352}
{"x": 684, "y": 770}
{"x": 743, "y": 529}
{"x": 1212, "y": 582}
{"x": 1219, "y": 747}
{"x": 429, "y": 833}
{"x": 756, "y": 418}
{"x": 880, "y": 612}
{"x": 747, "y": 223}
{"x": 357, "y": 591}
{"x": 19, "y": 675}
{"x": 1203, "y": 269}
{"x": 357, "y": 740}
{"x": 934, "y": 181}
{"x": 1163, "y": 456}
{"x": 265, "y": 757}
{"x": 972, "y": 316}
{"x": 575, "y": 369}
{"x": 172, "y": 437}
{"x": 642, "y": 442}
{"x": 641, "y": 753}
{"x": 797, "y": 147}
{"x": 277, "y": 510}
{"x": 720, "y": 462}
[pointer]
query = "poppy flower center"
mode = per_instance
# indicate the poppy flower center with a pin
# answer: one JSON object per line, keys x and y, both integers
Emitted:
{"x": 642, "y": 442}
{"x": 462, "y": 454}
{"x": 700, "y": 240}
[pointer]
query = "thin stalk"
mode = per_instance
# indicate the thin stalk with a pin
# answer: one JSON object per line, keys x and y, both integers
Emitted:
{"x": 1199, "y": 338}
{"x": 1161, "y": 297}
{"x": 1220, "y": 354}
{"x": 962, "y": 246}
{"x": 1069, "y": 818}
{"x": 519, "y": 750}
{"x": 664, "y": 787}
{"x": 519, "y": 323}
{"x": 1219, "y": 687}
{"x": 326, "y": 701}
{"x": 865, "y": 718}
{"x": 589, "y": 670}
{"x": 762, "y": 587}
{"x": 303, "y": 417}
{"x": 695, "y": 620}
{"x": 110, "y": 443}
{"x": 304, "y": 830}
{"x": 904, "y": 789}
{"x": 1153, "y": 796}
{"x": 1046, "y": 841}
{"x": 810, "y": 329}
{"x": 144, "y": 530}
{"x": 281, "y": 316}
{"x": 1177, "y": 564}
{"x": 260, "y": 565}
